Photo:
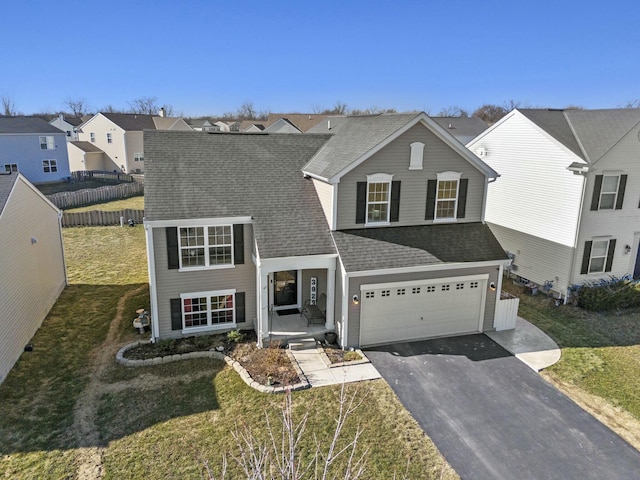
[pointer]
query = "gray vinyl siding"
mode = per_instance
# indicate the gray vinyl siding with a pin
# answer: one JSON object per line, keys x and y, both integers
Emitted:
{"x": 171, "y": 283}
{"x": 325, "y": 195}
{"x": 339, "y": 323}
{"x": 537, "y": 259}
{"x": 32, "y": 275}
{"x": 394, "y": 159}
{"x": 321, "y": 274}
{"x": 355, "y": 282}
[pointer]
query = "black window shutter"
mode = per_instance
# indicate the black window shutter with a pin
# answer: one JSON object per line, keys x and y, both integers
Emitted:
{"x": 176, "y": 314}
{"x": 585, "y": 257}
{"x": 612, "y": 247}
{"x": 240, "y": 314}
{"x": 431, "y": 200}
{"x": 395, "y": 201}
{"x": 462, "y": 198}
{"x": 597, "y": 188}
{"x": 238, "y": 244}
{"x": 361, "y": 202}
{"x": 172, "y": 247}
{"x": 621, "y": 187}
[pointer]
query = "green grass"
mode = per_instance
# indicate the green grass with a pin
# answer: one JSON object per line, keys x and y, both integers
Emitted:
{"x": 134, "y": 203}
{"x": 600, "y": 350}
{"x": 161, "y": 421}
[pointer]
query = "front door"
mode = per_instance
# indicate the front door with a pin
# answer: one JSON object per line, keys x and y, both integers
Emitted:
{"x": 285, "y": 288}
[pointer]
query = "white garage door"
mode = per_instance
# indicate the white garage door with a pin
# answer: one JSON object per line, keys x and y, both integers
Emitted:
{"x": 415, "y": 310}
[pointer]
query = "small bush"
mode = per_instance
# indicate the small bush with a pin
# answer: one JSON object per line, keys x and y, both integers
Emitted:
{"x": 352, "y": 356}
{"x": 608, "y": 294}
{"x": 235, "y": 336}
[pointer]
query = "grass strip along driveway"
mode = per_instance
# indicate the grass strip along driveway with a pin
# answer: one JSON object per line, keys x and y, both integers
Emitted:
{"x": 68, "y": 411}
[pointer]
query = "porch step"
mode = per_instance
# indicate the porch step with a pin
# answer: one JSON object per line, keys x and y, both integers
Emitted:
{"x": 302, "y": 344}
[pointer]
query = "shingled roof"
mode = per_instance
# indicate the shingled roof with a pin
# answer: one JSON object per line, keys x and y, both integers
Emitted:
{"x": 191, "y": 175}
{"x": 587, "y": 133}
{"x": 26, "y": 125}
{"x": 400, "y": 247}
{"x": 87, "y": 147}
{"x": 7, "y": 181}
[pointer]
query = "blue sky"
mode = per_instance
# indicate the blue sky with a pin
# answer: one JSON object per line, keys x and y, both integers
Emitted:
{"x": 208, "y": 57}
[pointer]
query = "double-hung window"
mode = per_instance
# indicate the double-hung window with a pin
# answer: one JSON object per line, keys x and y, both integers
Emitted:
{"x": 49, "y": 166}
{"x": 609, "y": 192}
{"x": 206, "y": 246}
{"x": 447, "y": 196}
{"x": 92, "y": 137}
{"x": 378, "y": 198}
{"x": 138, "y": 157}
{"x": 598, "y": 258}
{"x": 208, "y": 309}
{"x": 11, "y": 167}
{"x": 109, "y": 138}
{"x": 47, "y": 143}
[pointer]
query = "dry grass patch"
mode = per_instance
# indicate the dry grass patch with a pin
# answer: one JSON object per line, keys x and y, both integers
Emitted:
{"x": 133, "y": 203}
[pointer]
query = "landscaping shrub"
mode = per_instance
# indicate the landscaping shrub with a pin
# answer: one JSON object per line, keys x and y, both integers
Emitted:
{"x": 608, "y": 294}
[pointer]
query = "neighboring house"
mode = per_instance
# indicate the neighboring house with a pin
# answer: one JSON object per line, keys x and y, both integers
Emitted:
{"x": 380, "y": 218}
{"x": 69, "y": 125}
{"x": 31, "y": 146}
{"x": 464, "y": 129}
{"x": 300, "y": 121}
{"x": 201, "y": 125}
{"x": 251, "y": 126}
{"x": 86, "y": 156}
{"x": 282, "y": 125}
{"x": 120, "y": 137}
{"x": 566, "y": 205}
{"x": 32, "y": 269}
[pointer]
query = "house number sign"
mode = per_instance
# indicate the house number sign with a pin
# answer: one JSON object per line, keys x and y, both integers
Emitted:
{"x": 314, "y": 290}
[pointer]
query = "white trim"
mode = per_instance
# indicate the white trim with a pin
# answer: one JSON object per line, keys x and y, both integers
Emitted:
{"x": 272, "y": 291}
{"x": 378, "y": 178}
{"x": 431, "y": 281}
{"x": 334, "y": 206}
{"x": 448, "y": 176}
{"x": 416, "y": 158}
{"x": 429, "y": 268}
{"x": 198, "y": 222}
{"x": 209, "y": 326}
{"x": 207, "y": 249}
{"x": 345, "y": 306}
{"x": 303, "y": 262}
{"x": 153, "y": 292}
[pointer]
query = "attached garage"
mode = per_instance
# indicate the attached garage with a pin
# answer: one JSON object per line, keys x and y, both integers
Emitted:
{"x": 392, "y": 312}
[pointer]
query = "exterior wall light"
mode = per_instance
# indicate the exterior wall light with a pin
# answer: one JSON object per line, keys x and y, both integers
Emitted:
{"x": 492, "y": 286}
{"x": 356, "y": 300}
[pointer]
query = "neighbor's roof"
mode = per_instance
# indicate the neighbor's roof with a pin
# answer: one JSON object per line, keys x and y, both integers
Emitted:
{"x": 587, "y": 133}
{"x": 400, "y": 247}
{"x": 302, "y": 121}
{"x": 87, "y": 147}
{"x": 191, "y": 175}
{"x": 462, "y": 128}
{"x": 352, "y": 137}
{"x": 26, "y": 125}
{"x": 136, "y": 122}
{"x": 75, "y": 121}
{"x": 7, "y": 181}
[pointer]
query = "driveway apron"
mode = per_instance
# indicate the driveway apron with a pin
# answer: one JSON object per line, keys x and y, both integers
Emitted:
{"x": 492, "y": 417}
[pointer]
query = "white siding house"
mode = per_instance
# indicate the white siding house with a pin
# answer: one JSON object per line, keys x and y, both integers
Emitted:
{"x": 32, "y": 268}
{"x": 566, "y": 204}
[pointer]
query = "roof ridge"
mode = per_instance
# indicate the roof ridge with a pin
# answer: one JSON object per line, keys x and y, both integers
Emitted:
{"x": 575, "y": 135}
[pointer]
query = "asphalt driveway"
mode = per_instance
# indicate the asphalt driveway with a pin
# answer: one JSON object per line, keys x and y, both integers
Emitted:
{"x": 492, "y": 417}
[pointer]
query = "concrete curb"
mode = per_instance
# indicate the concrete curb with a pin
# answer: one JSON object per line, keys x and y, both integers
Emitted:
{"x": 127, "y": 362}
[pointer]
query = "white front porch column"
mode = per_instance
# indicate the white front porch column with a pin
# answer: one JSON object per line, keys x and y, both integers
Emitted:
{"x": 331, "y": 295}
{"x": 263, "y": 305}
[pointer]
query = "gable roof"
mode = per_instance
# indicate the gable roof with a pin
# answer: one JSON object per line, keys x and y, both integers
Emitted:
{"x": 302, "y": 121}
{"x": 194, "y": 175}
{"x": 26, "y": 125}
{"x": 401, "y": 247}
{"x": 355, "y": 138}
{"x": 87, "y": 147}
{"x": 587, "y": 133}
{"x": 131, "y": 121}
{"x": 282, "y": 125}
{"x": 7, "y": 181}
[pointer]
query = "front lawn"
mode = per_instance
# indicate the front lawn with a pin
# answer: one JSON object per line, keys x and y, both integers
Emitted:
{"x": 67, "y": 409}
{"x": 600, "y": 351}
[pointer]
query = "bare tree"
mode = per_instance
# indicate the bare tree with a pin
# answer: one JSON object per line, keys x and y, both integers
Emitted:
{"x": 511, "y": 105}
{"x": 78, "y": 106}
{"x": 109, "y": 108}
{"x": 490, "y": 113}
{"x": 375, "y": 110}
{"x": 632, "y": 103}
{"x": 246, "y": 112}
{"x": 144, "y": 106}
{"x": 453, "y": 111}
{"x": 281, "y": 456}
{"x": 8, "y": 105}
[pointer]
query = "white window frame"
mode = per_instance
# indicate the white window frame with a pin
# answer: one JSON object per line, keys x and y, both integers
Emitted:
{"x": 50, "y": 164}
{"x": 109, "y": 138}
{"x": 417, "y": 155}
{"x": 209, "y": 311}
{"x": 447, "y": 177}
{"x": 92, "y": 137}
{"x": 11, "y": 167}
{"x": 604, "y": 258}
{"x": 207, "y": 248}
{"x": 47, "y": 142}
{"x": 611, "y": 192}
{"x": 138, "y": 157}
{"x": 377, "y": 178}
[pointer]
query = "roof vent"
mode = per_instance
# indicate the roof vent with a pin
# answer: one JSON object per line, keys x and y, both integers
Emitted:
{"x": 328, "y": 124}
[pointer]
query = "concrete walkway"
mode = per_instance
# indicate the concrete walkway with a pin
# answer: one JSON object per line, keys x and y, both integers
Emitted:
{"x": 529, "y": 344}
{"x": 318, "y": 371}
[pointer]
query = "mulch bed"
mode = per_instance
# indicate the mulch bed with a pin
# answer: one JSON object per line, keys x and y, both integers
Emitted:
{"x": 337, "y": 355}
{"x": 267, "y": 366}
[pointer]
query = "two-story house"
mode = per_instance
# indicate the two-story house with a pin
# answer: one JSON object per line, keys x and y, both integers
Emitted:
{"x": 31, "y": 146}
{"x": 120, "y": 137}
{"x": 566, "y": 206}
{"x": 377, "y": 218}
{"x": 69, "y": 125}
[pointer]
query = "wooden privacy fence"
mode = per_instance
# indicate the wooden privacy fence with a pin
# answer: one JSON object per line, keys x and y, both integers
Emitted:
{"x": 97, "y": 218}
{"x": 88, "y": 196}
{"x": 87, "y": 175}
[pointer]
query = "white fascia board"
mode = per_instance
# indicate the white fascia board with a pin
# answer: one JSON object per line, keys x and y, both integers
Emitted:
{"x": 316, "y": 177}
{"x": 334, "y": 208}
{"x": 198, "y": 222}
{"x": 268, "y": 265}
{"x": 430, "y": 281}
{"x": 429, "y": 268}
{"x": 153, "y": 292}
